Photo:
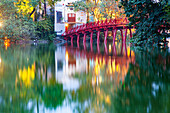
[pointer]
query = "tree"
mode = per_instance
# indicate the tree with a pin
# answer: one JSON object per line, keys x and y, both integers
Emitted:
{"x": 50, "y": 3}
{"x": 100, "y": 9}
{"x": 84, "y": 5}
{"x": 27, "y": 7}
{"x": 17, "y": 16}
{"x": 150, "y": 20}
{"x": 15, "y": 25}
{"x": 111, "y": 9}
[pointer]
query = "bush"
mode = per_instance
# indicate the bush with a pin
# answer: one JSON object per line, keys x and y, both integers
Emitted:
{"x": 45, "y": 29}
{"x": 18, "y": 28}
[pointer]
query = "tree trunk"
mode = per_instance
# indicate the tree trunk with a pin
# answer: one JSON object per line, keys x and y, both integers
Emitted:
{"x": 32, "y": 13}
{"x": 88, "y": 16}
{"x": 45, "y": 9}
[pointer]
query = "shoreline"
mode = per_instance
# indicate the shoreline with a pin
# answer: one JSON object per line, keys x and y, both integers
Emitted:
{"x": 55, "y": 41}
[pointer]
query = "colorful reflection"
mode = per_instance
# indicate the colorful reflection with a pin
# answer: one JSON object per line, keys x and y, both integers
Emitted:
{"x": 6, "y": 43}
{"x": 66, "y": 80}
{"x": 1, "y": 65}
{"x": 27, "y": 75}
{"x": 113, "y": 66}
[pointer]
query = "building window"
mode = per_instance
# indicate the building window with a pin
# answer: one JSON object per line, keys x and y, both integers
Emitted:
{"x": 71, "y": 17}
{"x": 59, "y": 16}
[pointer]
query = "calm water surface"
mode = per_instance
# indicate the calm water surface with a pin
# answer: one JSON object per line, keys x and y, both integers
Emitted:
{"x": 84, "y": 79}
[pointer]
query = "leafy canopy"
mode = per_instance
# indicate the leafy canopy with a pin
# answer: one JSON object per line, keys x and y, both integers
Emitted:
{"x": 150, "y": 19}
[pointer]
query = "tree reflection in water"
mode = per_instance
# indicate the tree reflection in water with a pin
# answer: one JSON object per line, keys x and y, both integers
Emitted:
{"x": 88, "y": 78}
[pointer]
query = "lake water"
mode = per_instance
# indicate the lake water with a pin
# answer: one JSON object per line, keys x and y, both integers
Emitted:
{"x": 84, "y": 79}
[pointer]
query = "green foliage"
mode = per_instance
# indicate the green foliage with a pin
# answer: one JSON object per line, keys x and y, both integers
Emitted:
{"x": 16, "y": 22}
{"x": 7, "y": 8}
{"x": 84, "y": 5}
{"x": 147, "y": 83}
{"x": 53, "y": 95}
{"x": 14, "y": 25}
{"x": 81, "y": 5}
{"x": 167, "y": 10}
{"x": 150, "y": 20}
{"x": 52, "y": 2}
{"x": 18, "y": 28}
{"x": 100, "y": 10}
{"x": 45, "y": 29}
{"x": 15, "y": 96}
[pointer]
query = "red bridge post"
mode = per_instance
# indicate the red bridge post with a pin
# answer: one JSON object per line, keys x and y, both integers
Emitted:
{"x": 91, "y": 40}
{"x": 71, "y": 41}
{"x": 125, "y": 49}
{"x": 98, "y": 35}
{"x": 125, "y": 35}
{"x": 122, "y": 48}
{"x": 122, "y": 35}
{"x": 91, "y": 46}
{"x": 98, "y": 48}
{"x": 78, "y": 38}
{"x": 78, "y": 45}
{"x": 130, "y": 32}
{"x": 114, "y": 31}
{"x": 84, "y": 45}
{"x": 91, "y": 37}
{"x": 105, "y": 46}
{"x": 105, "y": 39}
{"x": 84, "y": 38}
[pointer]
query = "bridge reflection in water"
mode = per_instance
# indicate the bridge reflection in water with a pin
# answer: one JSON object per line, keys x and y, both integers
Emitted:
{"x": 104, "y": 60}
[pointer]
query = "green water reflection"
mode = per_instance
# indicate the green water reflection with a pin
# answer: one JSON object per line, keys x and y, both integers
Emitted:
{"x": 97, "y": 79}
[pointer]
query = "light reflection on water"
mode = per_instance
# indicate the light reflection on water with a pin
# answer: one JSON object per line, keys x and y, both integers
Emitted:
{"x": 78, "y": 61}
{"x": 84, "y": 78}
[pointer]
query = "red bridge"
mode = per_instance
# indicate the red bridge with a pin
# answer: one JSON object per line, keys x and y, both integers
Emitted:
{"x": 97, "y": 27}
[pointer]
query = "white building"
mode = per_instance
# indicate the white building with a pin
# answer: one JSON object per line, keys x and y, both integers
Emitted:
{"x": 65, "y": 15}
